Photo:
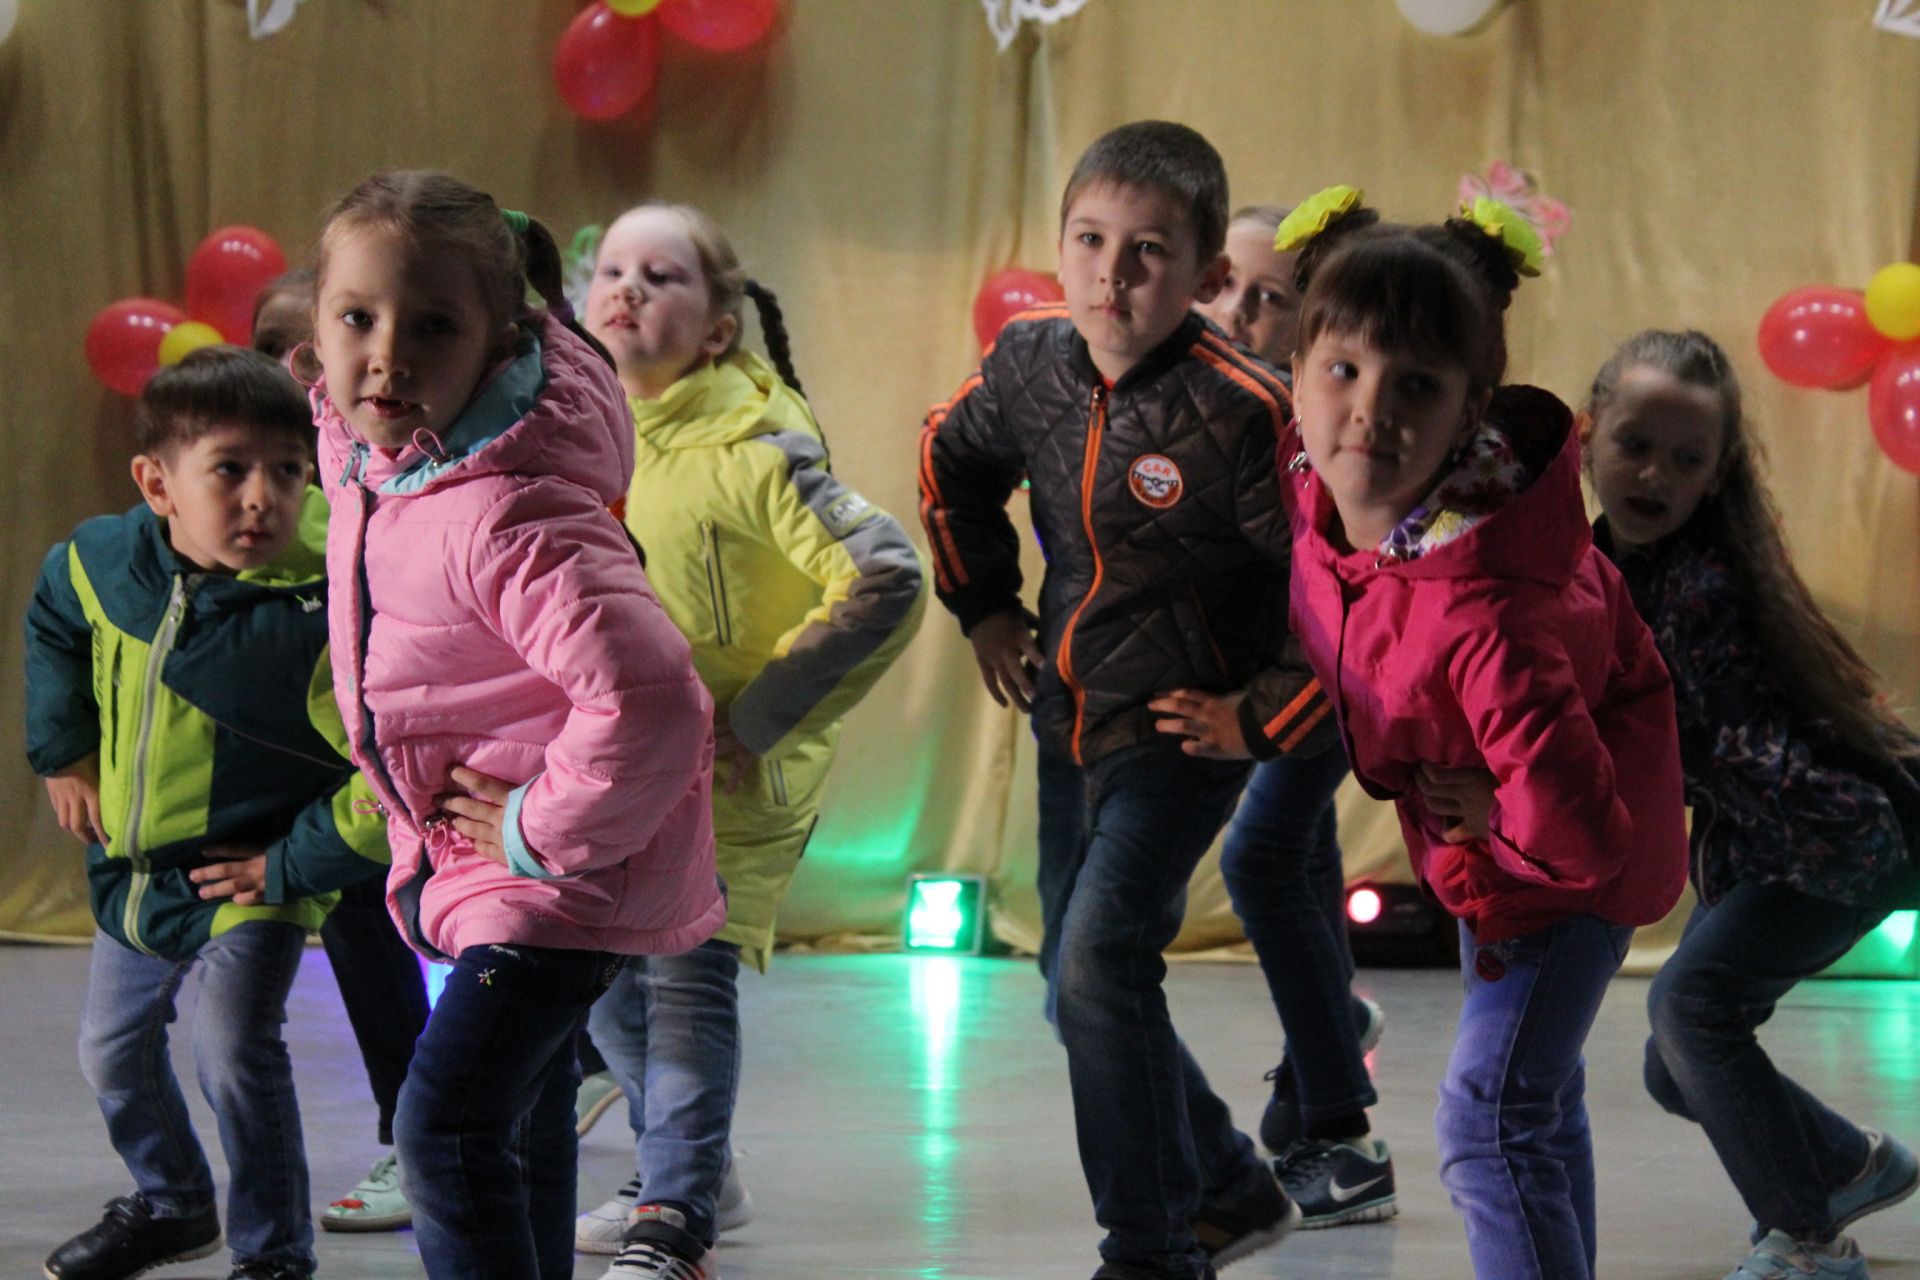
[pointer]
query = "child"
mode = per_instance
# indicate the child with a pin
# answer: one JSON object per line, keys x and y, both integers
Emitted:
{"x": 1149, "y": 441}
{"x": 1492, "y": 677}
{"x": 379, "y": 976}
{"x": 1282, "y": 866}
{"x": 1802, "y": 786}
{"x": 528, "y": 715}
{"x": 796, "y": 594}
{"x": 178, "y": 706}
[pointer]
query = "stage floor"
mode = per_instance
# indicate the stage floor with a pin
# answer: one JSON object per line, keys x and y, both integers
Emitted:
{"x": 909, "y": 1117}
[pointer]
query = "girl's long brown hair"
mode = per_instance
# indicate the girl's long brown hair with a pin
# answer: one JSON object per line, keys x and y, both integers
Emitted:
{"x": 1802, "y": 655}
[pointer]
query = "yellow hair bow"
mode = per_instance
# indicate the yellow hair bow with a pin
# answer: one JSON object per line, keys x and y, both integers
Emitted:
{"x": 1311, "y": 216}
{"x": 1510, "y": 227}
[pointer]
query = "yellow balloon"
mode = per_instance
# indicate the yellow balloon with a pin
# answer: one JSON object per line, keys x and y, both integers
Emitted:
{"x": 633, "y": 8}
{"x": 1893, "y": 301}
{"x": 188, "y": 335}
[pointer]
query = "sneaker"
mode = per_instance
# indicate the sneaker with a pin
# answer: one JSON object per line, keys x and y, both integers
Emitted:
{"x": 1139, "y": 1271}
{"x": 375, "y": 1204}
{"x": 733, "y": 1208}
{"x": 1280, "y": 1124}
{"x": 1335, "y": 1183}
{"x": 658, "y": 1246}
{"x": 600, "y": 1230}
{"x": 129, "y": 1240}
{"x": 268, "y": 1271}
{"x": 1891, "y": 1176}
{"x": 1255, "y": 1215}
{"x": 597, "y": 1092}
{"x": 1780, "y": 1257}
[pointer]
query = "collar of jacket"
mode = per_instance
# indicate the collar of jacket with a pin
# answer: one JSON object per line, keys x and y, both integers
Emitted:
{"x": 301, "y": 563}
{"x": 723, "y": 402}
{"x": 505, "y": 399}
{"x": 1148, "y": 367}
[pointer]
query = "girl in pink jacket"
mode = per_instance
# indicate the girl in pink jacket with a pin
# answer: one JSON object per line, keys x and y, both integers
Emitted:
{"x": 1491, "y": 677}
{"x": 527, "y": 714}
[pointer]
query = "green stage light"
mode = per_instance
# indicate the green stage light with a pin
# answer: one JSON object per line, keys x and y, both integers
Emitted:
{"x": 946, "y": 914}
{"x": 1888, "y": 952}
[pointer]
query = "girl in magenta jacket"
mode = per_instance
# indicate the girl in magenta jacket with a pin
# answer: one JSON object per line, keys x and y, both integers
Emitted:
{"x": 527, "y": 714}
{"x": 1492, "y": 678}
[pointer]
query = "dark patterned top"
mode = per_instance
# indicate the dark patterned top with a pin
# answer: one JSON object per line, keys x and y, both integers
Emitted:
{"x": 1776, "y": 795}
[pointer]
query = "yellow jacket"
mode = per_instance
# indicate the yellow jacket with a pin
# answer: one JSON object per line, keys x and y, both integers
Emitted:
{"x": 796, "y": 593}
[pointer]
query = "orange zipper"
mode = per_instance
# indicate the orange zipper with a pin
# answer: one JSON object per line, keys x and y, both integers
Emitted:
{"x": 1096, "y": 428}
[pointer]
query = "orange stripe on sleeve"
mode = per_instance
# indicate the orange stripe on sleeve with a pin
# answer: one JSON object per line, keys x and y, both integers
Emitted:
{"x": 1300, "y": 703}
{"x": 1293, "y": 739}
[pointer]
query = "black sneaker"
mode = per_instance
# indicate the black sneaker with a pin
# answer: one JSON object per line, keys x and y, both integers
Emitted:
{"x": 268, "y": 1271}
{"x": 1257, "y": 1213}
{"x": 129, "y": 1240}
{"x": 1335, "y": 1183}
{"x": 1140, "y": 1271}
{"x": 1280, "y": 1124}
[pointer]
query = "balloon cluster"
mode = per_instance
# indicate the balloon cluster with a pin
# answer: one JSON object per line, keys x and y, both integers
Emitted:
{"x": 1006, "y": 294}
{"x": 609, "y": 56}
{"x": 1834, "y": 338}
{"x": 130, "y": 339}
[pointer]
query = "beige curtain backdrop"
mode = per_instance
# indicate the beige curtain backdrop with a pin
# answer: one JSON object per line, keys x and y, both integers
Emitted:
{"x": 875, "y": 161}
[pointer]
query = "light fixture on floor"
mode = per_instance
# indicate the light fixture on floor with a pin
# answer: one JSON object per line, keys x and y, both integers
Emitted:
{"x": 1396, "y": 925}
{"x": 946, "y": 914}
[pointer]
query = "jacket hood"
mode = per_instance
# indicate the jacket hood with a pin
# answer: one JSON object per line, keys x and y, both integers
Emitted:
{"x": 722, "y": 403}
{"x": 553, "y": 408}
{"x": 1540, "y": 535}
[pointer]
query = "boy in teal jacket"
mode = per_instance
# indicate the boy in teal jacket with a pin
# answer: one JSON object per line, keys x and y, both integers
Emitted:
{"x": 180, "y": 707}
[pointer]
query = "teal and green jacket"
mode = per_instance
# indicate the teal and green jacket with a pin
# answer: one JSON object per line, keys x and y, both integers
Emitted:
{"x": 209, "y": 700}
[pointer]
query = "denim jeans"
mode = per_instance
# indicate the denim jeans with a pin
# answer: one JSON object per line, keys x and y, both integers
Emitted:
{"x": 1281, "y": 862}
{"x": 245, "y": 1076}
{"x": 670, "y": 1031}
{"x": 485, "y": 1123}
{"x": 381, "y": 986}
{"x": 1118, "y": 841}
{"x": 1785, "y": 1150}
{"x": 1516, "y": 1153}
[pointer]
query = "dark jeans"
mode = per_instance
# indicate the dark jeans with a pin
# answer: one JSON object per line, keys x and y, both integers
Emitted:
{"x": 381, "y": 987}
{"x": 1516, "y": 1151}
{"x": 1785, "y": 1150}
{"x": 1118, "y": 841}
{"x": 1283, "y": 871}
{"x": 485, "y": 1123}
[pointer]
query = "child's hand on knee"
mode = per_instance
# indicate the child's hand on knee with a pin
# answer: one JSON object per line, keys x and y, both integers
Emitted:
{"x": 480, "y": 815}
{"x": 237, "y": 871}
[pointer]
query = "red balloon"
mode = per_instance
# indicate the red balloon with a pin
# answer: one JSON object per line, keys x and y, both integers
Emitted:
{"x": 605, "y": 64}
{"x": 723, "y": 26}
{"x": 225, "y": 276}
{"x": 1005, "y": 295}
{"x": 1893, "y": 406}
{"x": 123, "y": 342}
{"x": 1820, "y": 337}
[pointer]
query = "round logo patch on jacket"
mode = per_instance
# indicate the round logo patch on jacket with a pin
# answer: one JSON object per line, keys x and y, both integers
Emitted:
{"x": 1155, "y": 481}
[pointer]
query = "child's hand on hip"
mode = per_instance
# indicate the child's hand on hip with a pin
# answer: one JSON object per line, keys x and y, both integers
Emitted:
{"x": 1008, "y": 658}
{"x": 731, "y": 749}
{"x": 238, "y": 871}
{"x": 75, "y": 792}
{"x": 1462, "y": 794}
{"x": 481, "y": 814}
{"x": 1210, "y": 723}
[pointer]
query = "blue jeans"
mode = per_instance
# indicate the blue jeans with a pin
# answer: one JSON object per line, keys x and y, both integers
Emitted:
{"x": 1118, "y": 841}
{"x": 670, "y": 1031}
{"x": 484, "y": 1127}
{"x": 245, "y": 1076}
{"x": 1283, "y": 871}
{"x": 1516, "y": 1153}
{"x": 1785, "y": 1150}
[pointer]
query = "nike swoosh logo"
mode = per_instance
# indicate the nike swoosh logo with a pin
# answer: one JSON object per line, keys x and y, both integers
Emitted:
{"x": 1342, "y": 1194}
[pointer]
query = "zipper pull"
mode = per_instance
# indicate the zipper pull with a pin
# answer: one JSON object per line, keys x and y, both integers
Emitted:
{"x": 1099, "y": 394}
{"x": 356, "y": 461}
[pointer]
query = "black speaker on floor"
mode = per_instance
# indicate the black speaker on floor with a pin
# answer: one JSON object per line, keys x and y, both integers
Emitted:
{"x": 1395, "y": 926}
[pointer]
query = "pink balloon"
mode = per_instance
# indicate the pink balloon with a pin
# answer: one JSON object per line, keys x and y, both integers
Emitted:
{"x": 605, "y": 65}
{"x": 123, "y": 342}
{"x": 1005, "y": 295}
{"x": 1820, "y": 337}
{"x": 722, "y": 26}
{"x": 1893, "y": 406}
{"x": 225, "y": 276}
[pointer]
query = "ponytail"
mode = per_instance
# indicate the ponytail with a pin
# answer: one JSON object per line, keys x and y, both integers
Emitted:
{"x": 1487, "y": 256}
{"x": 773, "y": 331}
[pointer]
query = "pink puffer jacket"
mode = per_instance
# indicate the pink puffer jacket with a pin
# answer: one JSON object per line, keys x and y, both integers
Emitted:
{"x": 487, "y": 610}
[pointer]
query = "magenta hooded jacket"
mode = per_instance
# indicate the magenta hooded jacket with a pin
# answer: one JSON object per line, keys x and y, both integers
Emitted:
{"x": 1514, "y": 647}
{"x": 486, "y": 609}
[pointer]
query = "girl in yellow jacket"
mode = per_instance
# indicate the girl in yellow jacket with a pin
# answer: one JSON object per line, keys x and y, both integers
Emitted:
{"x": 796, "y": 593}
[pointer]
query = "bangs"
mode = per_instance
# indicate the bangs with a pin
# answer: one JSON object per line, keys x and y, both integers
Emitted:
{"x": 1398, "y": 295}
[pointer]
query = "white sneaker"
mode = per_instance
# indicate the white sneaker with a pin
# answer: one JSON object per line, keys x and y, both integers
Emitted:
{"x": 733, "y": 1208}
{"x": 600, "y": 1230}
{"x": 658, "y": 1246}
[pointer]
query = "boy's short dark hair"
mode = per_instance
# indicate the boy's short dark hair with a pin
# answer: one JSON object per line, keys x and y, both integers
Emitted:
{"x": 219, "y": 386}
{"x": 1169, "y": 158}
